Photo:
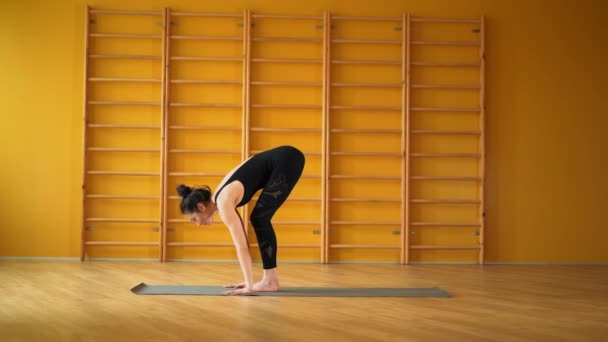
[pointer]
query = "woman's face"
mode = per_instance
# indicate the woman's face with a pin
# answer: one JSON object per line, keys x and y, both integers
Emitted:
{"x": 204, "y": 215}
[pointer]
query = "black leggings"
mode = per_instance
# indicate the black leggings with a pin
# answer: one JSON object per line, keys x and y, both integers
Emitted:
{"x": 283, "y": 179}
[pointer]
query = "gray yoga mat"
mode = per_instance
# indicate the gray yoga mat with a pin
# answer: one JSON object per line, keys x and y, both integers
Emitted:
{"x": 145, "y": 289}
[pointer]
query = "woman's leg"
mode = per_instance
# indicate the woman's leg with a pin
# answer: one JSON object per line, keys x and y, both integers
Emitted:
{"x": 282, "y": 181}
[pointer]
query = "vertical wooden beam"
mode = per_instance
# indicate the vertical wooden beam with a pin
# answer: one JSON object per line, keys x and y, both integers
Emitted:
{"x": 325, "y": 138}
{"x": 84, "y": 136}
{"x": 246, "y": 100}
{"x": 406, "y": 128}
{"x": 164, "y": 124}
{"x": 482, "y": 171}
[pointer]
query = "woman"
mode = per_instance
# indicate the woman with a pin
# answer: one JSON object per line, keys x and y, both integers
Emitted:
{"x": 276, "y": 171}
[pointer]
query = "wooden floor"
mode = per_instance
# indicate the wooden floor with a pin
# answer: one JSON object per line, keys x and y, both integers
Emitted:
{"x": 91, "y": 301}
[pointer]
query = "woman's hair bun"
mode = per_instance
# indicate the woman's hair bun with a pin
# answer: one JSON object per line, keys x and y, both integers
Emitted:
{"x": 184, "y": 190}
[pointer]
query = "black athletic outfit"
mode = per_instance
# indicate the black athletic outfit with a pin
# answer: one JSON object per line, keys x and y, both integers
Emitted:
{"x": 276, "y": 171}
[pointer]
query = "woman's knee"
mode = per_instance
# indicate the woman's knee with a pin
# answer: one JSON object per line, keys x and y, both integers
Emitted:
{"x": 259, "y": 222}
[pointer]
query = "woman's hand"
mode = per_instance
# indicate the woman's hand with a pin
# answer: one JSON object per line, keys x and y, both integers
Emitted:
{"x": 244, "y": 291}
{"x": 236, "y": 286}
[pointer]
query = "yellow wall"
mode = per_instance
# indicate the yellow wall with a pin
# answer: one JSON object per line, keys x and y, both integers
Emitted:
{"x": 546, "y": 165}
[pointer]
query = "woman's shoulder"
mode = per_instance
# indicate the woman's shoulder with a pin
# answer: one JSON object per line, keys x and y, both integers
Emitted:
{"x": 230, "y": 193}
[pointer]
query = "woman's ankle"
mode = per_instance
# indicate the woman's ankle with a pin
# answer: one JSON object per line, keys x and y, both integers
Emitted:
{"x": 270, "y": 276}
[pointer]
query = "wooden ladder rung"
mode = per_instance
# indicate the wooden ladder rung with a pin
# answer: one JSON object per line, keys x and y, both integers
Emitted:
{"x": 123, "y": 173}
{"x": 446, "y": 201}
{"x": 445, "y": 86}
{"x": 280, "y": 16}
{"x": 209, "y": 105}
{"x": 101, "y": 56}
{"x": 206, "y": 128}
{"x": 287, "y": 39}
{"x": 444, "y": 43}
{"x": 118, "y": 149}
{"x": 365, "y": 223}
{"x": 179, "y": 220}
{"x": 220, "y": 38}
{"x": 206, "y": 15}
{"x": 293, "y": 199}
{"x": 444, "y": 20}
{"x": 209, "y": 59}
{"x": 128, "y": 220}
{"x": 199, "y": 244}
{"x": 124, "y": 103}
{"x": 365, "y": 200}
{"x": 195, "y": 174}
{"x": 286, "y": 106}
{"x": 387, "y": 108}
{"x": 252, "y": 152}
{"x": 372, "y": 62}
{"x": 445, "y": 132}
{"x": 367, "y": 154}
{"x": 176, "y": 150}
{"x": 446, "y": 178}
{"x": 147, "y": 13}
{"x": 446, "y": 64}
{"x": 438, "y": 109}
{"x": 364, "y": 177}
{"x": 286, "y": 60}
{"x": 133, "y": 80}
{"x": 380, "y": 19}
{"x": 311, "y": 176}
{"x": 215, "y": 82}
{"x": 123, "y": 126}
{"x": 125, "y": 35}
{"x": 368, "y": 85}
{"x": 286, "y": 83}
{"x": 293, "y": 130}
{"x": 304, "y": 223}
{"x": 365, "y": 41}
{"x": 445, "y": 155}
{"x": 364, "y": 246}
{"x": 290, "y": 245}
{"x": 372, "y": 131}
{"x": 443, "y": 247}
{"x": 443, "y": 224}
{"x": 106, "y": 196}
{"x": 120, "y": 243}
{"x": 216, "y": 222}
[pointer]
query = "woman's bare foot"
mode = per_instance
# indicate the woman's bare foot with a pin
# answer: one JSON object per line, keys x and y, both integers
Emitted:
{"x": 264, "y": 286}
{"x": 270, "y": 283}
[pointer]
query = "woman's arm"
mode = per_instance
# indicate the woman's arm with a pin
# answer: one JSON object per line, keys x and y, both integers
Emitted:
{"x": 233, "y": 221}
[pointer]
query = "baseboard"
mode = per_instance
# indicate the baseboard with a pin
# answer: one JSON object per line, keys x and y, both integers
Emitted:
{"x": 236, "y": 261}
{"x": 443, "y": 263}
{"x": 364, "y": 262}
{"x": 20, "y": 258}
{"x": 123, "y": 259}
{"x": 72, "y": 259}
{"x": 40, "y": 258}
{"x": 547, "y": 263}
{"x": 221, "y": 261}
{"x": 488, "y": 263}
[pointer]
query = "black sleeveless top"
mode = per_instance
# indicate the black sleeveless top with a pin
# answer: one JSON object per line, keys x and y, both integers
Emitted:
{"x": 255, "y": 172}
